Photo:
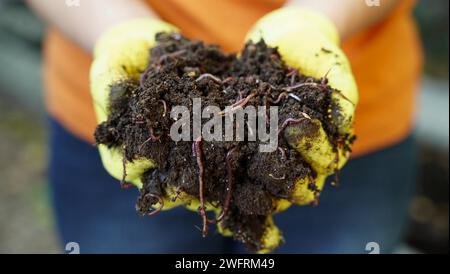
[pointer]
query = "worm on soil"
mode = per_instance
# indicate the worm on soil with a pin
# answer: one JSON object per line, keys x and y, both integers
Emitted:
{"x": 290, "y": 121}
{"x": 201, "y": 172}
{"x": 170, "y": 55}
{"x": 160, "y": 200}
{"x": 152, "y": 138}
{"x": 238, "y": 104}
{"x": 209, "y": 75}
{"x": 229, "y": 195}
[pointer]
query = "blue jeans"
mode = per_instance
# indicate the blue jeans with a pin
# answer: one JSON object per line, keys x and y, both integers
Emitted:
{"x": 370, "y": 205}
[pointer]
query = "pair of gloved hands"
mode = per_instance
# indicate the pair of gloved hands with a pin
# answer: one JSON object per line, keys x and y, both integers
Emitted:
{"x": 306, "y": 41}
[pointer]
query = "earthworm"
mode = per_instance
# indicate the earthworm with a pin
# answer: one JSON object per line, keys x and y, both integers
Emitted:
{"x": 143, "y": 76}
{"x": 170, "y": 55}
{"x": 160, "y": 200}
{"x": 290, "y": 88}
{"x": 280, "y": 96}
{"x": 343, "y": 96}
{"x": 239, "y": 103}
{"x": 201, "y": 172}
{"x": 292, "y": 79}
{"x": 243, "y": 101}
{"x": 313, "y": 84}
{"x": 123, "y": 184}
{"x": 126, "y": 185}
{"x": 277, "y": 178}
{"x": 209, "y": 75}
{"x": 336, "y": 177}
{"x": 284, "y": 95}
{"x": 313, "y": 187}
{"x": 292, "y": 71}
{"x": 289, "y": 121}
{"x": 293, "y": 96}
{"x": 324, "y": 79}
{"x": 228, "y": 197}
{"x": 272, "y": 86}
{"x": 165, "y": 107}
{"x": 152, "y": 138}
{"x": 316, "y": 198}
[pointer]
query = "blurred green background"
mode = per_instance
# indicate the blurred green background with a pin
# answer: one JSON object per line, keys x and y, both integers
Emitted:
{"x": 26, "y": 224}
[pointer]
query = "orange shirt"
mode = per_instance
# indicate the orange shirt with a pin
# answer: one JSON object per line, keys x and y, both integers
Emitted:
{"x": 386, "y": 61}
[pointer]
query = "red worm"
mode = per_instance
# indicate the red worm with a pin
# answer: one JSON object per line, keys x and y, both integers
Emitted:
{"x": 209, "y": 75}
{"x": 123, "y": 184}
{"x": 316, "y": 198}
{"x": 170, "y": 55}
{"x": 152, "y": 138}
{"x": 313, "y": 84}
{"x": 292, "y": 71}
{"x": 229, "y": 195}
{"x": 283, "y": 95}
{"x": 160, "y": 200}
{"x": 302, "y": 85}
{"x": 290, "y": 121}
{"x": 201, "y": 172}
{"x": 239, "y": 103}
{"x": 164, "y": 106}
{"x": 280, "y": 97}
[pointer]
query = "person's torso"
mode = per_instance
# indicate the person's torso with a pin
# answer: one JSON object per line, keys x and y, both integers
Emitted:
{"x": 386, "y": 62}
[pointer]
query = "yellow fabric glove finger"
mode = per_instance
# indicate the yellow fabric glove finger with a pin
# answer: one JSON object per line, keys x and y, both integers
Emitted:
{"x": 271, "y": 238}
{"x": 310, "y": 139}
{"x": 122, "y": 54}
{"x": 303, "y": 195}
{"x": 127, "y": 33}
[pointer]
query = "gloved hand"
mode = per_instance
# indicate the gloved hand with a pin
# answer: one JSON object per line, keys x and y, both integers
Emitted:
{"x": 309, "y": 42}
{"x": 305, "y": 40}
{"x": 122, "y": 54}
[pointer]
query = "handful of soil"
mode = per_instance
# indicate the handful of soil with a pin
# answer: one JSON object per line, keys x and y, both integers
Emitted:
{"x": 233, "y": 176}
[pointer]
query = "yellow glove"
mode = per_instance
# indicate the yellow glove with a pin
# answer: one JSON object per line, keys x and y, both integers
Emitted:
{"x": 309, "y": 42}
{"x": 121, "y": 54}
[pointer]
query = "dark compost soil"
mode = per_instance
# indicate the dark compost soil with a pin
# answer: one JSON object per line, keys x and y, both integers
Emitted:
{"x": 179, "y": 70}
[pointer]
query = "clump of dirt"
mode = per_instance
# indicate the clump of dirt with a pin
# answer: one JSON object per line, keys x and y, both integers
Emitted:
{"x": 232, "y": 175}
